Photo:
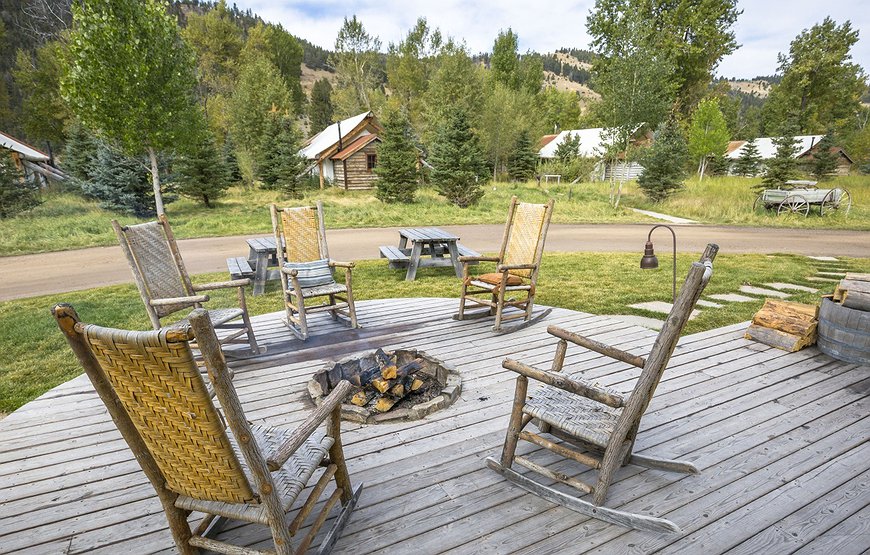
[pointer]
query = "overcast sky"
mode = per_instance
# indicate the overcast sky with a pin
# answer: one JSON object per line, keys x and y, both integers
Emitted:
{"x": 765, "y": 28}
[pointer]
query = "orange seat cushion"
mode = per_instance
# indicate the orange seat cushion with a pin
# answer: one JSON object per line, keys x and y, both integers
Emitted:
{"x": 495, "y": 279}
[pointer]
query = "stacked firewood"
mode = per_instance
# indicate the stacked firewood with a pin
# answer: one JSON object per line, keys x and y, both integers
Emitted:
{"x": 385, "y": 383}
{"x": 854, "y": 292}
{"x": 785, "y": 325}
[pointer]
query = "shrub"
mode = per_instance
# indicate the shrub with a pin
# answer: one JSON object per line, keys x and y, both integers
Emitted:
{"x": 16, "y": 194}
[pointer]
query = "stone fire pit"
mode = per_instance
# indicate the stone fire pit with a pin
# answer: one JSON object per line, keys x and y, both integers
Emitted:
{"x": 385, "y": 379}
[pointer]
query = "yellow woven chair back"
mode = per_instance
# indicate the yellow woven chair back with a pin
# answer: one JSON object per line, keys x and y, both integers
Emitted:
{"x": 524, "y": 236}
{"x": 302, "y": 234}
{"x": 162, "y": 390}
{"x": 156, "y": 265}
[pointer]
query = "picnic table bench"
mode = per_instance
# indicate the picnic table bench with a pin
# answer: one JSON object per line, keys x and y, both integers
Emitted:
{"x": 428, "y": 247}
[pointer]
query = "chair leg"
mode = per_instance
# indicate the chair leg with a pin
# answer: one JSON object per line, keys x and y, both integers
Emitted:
{"x": 516, "y": 422}
{"x": 499, "y": 310}
{"x": 461, "y": 315}
{"x": 303, "y": 319}
{"x": 351, "y": 307}
{"x": 612, "y": 459}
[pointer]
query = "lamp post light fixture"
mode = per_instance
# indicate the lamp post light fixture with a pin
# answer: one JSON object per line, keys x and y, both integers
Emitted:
{"x": 650, "y": 261}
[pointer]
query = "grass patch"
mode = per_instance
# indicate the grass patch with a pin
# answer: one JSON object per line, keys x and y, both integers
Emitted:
{"x": 35, "y": 356}
{"x": 65, "y": 221}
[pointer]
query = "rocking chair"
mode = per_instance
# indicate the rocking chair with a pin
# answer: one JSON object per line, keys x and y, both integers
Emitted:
{"x": 165, "y": 285}
{"x": 518, "y": 263}
{"x": 160, "y": 403}
{"x": 303, "y": 236}
{"x": 599, "y": 420}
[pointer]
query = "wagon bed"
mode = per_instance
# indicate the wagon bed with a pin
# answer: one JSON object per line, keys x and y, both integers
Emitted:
{"x": 797, "y": 197}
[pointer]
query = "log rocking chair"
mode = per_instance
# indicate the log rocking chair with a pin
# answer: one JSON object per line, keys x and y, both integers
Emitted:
{"x": 201, "y": 461}
{"x": 165, "y": 285}
{"x": 517, "y": 264}
{"x": 302, "y": 233}
{"x": 599, "y": 421}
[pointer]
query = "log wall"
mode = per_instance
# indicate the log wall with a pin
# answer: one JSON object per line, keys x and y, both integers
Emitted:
{"x": 358, "y": 174}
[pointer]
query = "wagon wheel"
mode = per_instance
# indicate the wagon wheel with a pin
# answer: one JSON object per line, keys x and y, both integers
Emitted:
{"x": 796, "y": 204}
{"x": 836, "y": 199}
{"x": 759, "y": 202}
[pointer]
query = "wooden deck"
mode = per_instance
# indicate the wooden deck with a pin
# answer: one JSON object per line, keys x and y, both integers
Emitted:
{"x": 781, "y": 440}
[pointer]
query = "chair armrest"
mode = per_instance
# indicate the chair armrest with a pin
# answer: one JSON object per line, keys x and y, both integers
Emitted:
{"x": 509, "y": 267}
{"x": 179, "y": 300}
{"x": 563, "y": 382}
{"x": 222, "y": 284}
{"x": 337, "y": 264}
{"x": 278, "y": 457}
{"x": 479, "y": 259}
{"x": 289, "y": 272}
{"x": 596, "y": 346}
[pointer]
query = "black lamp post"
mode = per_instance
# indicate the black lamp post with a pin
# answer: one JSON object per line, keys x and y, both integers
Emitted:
{"x": 650, "y": 261}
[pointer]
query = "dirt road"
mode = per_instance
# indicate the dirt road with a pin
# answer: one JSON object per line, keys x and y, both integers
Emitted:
{"x": 41, "y": 274}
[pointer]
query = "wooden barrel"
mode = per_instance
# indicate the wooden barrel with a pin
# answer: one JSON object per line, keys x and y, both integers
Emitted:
{"x": 844, "y": 333}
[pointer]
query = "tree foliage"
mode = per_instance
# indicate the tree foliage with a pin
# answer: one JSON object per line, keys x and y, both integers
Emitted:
{"x": 664, "y": 163}
{"x": 459, "y": 166}
{"x": 320, "y": 107}
{"x": 783, "y": 166}
{"x": 560, "y": 110}
{"x": 748, "y": 163}
{"x": 80, "y": 153}
{"x": 397, "y": 159}
{"x": 120, "y": 182}
{"x": 508, "y": 68}
{"x": 280, "y": 166}
{"x": 282, "y": 49}
{"x": 523, "y": 159}
{"x": 823, "y": 164}
{"x": 201, "y": 172}
{"x": 44, "y": 113}
{"x": 708, "y": 133}
{"x": 410, "y": 65}
{"x": 504, "y": 115}
{"x": 358, "y": 70}
{"x": 16, "y": 194}
{"x": 217, "y": 41}
{"x": 455, "y": 85}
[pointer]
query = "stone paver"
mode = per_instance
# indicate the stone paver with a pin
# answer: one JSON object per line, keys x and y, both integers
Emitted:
{"x": 841, "y": 274}
{"x": 824, "y": 258}
{"x": 660, "y": 306}
{"x": 708, "y": 304}
{"x": 665, "y": 217}
{"x": 642, "y": 321}
{"x": 828, "y": 280}
{"x": 763, "y": 292}
{"x": 792, "y": 287}
{"x": 732, "y": 298}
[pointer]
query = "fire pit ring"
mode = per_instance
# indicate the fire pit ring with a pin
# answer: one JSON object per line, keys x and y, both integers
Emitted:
{"x": 441, "y": 385}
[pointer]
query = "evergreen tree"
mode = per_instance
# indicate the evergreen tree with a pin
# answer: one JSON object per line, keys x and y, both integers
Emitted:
{"x": 824, "y": 162}
{"x": 16, "y": 194}
{"x": 121, "y": 183}
{"x": 569, "y": 148}
{"x": 459, "y": 165}
{"x": 280, "y": 166}
{"x": 664, "y": 163}
{"x": 201, "y": 173}
{"x": 718, "y": 164}
{"x": 80, "y": 153}
{"x": 749, "y": 161}
{"x": 523, "y": 159}
{"x": 783, "y": 166}
{"x": 320, "y": 109}
{"x": 231, "y": 160}
{"x": 397, "y": 160}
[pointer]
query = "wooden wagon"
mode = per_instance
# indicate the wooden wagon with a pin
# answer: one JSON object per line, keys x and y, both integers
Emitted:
{"x": 797, "y": 197}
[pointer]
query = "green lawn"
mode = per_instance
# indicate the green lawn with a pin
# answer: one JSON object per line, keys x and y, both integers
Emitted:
{"x": 66, "y": 221}
{"x": 35, "y": 357}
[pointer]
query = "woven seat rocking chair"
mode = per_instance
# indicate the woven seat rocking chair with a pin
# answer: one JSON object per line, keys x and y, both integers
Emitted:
{"x": 303, "y": 235}
{"x": 514, "y": 283}
{"x": 599, "y": 421}
{"x": 199, "y": 460}
{"x": 165, "y": 285}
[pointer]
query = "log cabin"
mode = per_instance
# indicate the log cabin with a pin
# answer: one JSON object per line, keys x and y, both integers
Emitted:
{"x": 346, "y": 153}
{"x": 33, "y": 164}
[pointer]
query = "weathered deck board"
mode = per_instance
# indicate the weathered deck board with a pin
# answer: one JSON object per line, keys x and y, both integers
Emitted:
{"x": 781, "y": 439}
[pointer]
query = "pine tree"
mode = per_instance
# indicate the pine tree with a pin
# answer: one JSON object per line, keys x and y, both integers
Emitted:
{"x": 718, "y": 164}
{"x": 664, "y": 163}
{"x": 397, "y": 160}
{"x": 280, "y": 166}
{"x": 121, "y": 183}
{"x": 523, "y": 159}
{"x": 230, "y": 159}
{"x": 783, "y": 166}
{"x": 824, "y": 162}
{"x": 201, "y": 173}
{"x": 16, "y": 194}
{"x": 749, "y": 161}
{"x": 569, "y": 148}
{"x": 459, "y": 165}
{"x": 320, "y": 109}
{"x": 80, "y": 153}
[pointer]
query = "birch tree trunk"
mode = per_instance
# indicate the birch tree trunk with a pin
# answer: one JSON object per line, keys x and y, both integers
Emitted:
{"x": 155, "y": 181}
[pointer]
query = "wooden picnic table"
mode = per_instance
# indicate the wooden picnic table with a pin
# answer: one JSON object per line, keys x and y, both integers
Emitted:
{"x": 427, "y": 249}
{"x": 261, "y": 255}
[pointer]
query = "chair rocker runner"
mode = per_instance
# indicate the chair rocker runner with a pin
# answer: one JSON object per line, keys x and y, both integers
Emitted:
{"x": 303, "y": 236}
{"x": 601, "y": 421}
{"x": 165, "y": 285}
{"x": 518, "y": 262}
{"x": 200, "y": 461}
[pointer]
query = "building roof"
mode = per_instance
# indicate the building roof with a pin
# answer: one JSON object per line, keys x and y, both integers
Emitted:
{"x": 733, "y": 145}
{"x": 590, "y": 142}
{"x": 767, "y": 150}
{"x": 328, "y": 138}
{"x": 25, "y": 150}
{"x": 356, "y": 145}
{"x": 545, "y": 140}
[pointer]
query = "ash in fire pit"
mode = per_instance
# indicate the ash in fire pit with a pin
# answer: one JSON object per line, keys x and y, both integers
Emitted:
{"x": 405, "y": 384}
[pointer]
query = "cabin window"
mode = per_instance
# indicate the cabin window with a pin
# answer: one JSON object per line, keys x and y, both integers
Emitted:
{"x": 371, "y": 161}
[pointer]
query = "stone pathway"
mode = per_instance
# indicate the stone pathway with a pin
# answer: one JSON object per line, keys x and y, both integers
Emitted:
{"x": 828, "y": 270}
{"x": 665, "y": 217}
